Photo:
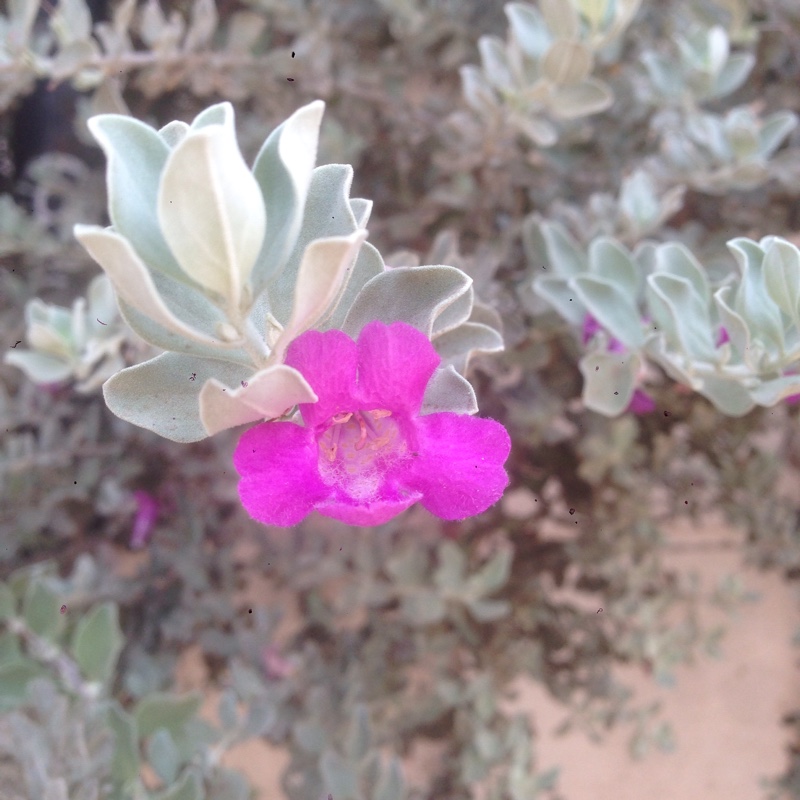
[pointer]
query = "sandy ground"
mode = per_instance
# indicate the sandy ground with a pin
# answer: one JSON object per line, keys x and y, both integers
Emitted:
{"x": 725, "y": 712}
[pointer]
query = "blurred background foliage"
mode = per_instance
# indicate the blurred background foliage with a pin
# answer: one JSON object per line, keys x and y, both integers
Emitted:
{"x": 469, "y": 125}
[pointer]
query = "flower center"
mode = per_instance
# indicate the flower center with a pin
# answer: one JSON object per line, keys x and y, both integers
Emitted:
{"x": 355, "y": 449}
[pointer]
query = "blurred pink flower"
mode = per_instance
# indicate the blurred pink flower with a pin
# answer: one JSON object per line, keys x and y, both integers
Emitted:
{"x": 276, "y": 666}
{"x": 365, "y": 453}
{"x": 146, "y": 516}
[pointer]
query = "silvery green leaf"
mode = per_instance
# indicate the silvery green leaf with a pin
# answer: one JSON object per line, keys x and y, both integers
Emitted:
{"x": 368, "y": 264}
{"x": 8, "y": 603}
{"x": 529, "y": 28}
{"x": 449, "y": 391}
{"x": 225, "y": 784}
{"x": 102, "y": 301}
{"x": 774, "y": 129}
{"x": 136, "y": 156}
{"x": 362, "y": 209}
{"x": 15, "y": 675}
{"x": 416, "y": 295}
{"x": 476, "y": 89}
{"x": 97, "y": 642}
{"x": 188, "y": 787}
{"x": 590, "y": 96}
{"x": 202, "y": 25}
{"x": 339, "y": 776}
{"x": 736, "y": 327}
{"x": 391, "y": 785}
{"x": 40, "y": 609}
{"x": 753, "y": 302}
{"x": 457, "y": 345}
{"x": 560, "y": 295}
{"x": 168, "y": 340}
{"x": 71, "y": 57}
{"x": 612, "y": 262}
{"x": 125, "y": 760}
{"x": 716, "y": 50}
{"x": 359, "y": 735}
{"x": 567, "y": 62}
{"x": 71, "y": 21}
{"x": 161, "y": 396}
{"x": 327, "y": 214}
{"x": 131, "y": 279}
{"x": 173, "y": 133}
{"x": 541, "y": 132}
{"x": 609, "y": 381}
{"x": 561, "y": 18}
{"x": 770, "y": 392}
{"x": 22, "y": 14}
{"x": 211, "y": 210}
{"x": 678, "y": 308}
{"x": 566, "y": 257}
{"x": 733, "y": 74}
{"x": 325, "y": 269}
{"x": 163, "y": 756}
{"x": 455, "y": 314}
{"x": 782, "y": 277}
{"x": 449, "y": 575}
{"x": 227, "y": 710}
{"x": 493, "y": 575}
{"x": 163, "y": 710}
{"x": 613, "y": 307}
{"x": 422, "y": 607}
{"x": 39, "y": 367}
{"x": 662, "y": 73}
{"x": 674, "y": 258}
{"x": 495, "y": 63}
{"x": 267, "y": 394}
{"x": 216, "y": 114}
{"x": 727, "y": 394}
{"x": 283, "y": 169}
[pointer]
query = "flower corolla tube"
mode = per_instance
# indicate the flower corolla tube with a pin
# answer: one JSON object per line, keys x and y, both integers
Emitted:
{"x": 365, "y": 453}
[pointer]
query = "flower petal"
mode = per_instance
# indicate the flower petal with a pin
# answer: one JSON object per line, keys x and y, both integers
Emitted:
{"x": 280, "y": 481}
{"x": 377, "y": 512}
{"x": 459, "y": 469}
{"x": 395, "y": 364}
{"x": 328, "y": 362}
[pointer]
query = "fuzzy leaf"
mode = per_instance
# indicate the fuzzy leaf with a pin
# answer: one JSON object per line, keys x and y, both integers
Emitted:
{"x": 449, "y": 391}
{"x": 322, "y": 277}
{"x": 211, "y": 210}
{"x": 283, "y": 170}
{"x": 131, "y": 279}
{"x": 416, "y": 295}
{"x": 163, "y": 756}
{"x": 613, "y": 307}
{"x": 609, "y": 380}
{"x": 39, "y": 367}
{"x": 125, "y": 761}
{"x": 162, "y": 710}
{"x": 590, "y": 96}
{"x": 391, "y": 785}
{"x": 269, "y": 393}
{"x": 97, "y": 642}
{"x": 40, "y": 609}
{"x": 338, "y": 776}
{"x": 136, "y": 157}
{"x": 161, "y": 396}
{"x": 188, "y": 787}
{"x": 567, "y": 62}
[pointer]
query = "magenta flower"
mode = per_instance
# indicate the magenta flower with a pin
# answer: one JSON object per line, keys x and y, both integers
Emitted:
{"x": 365, "y": 453}
{"x": 145, "y": 519}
